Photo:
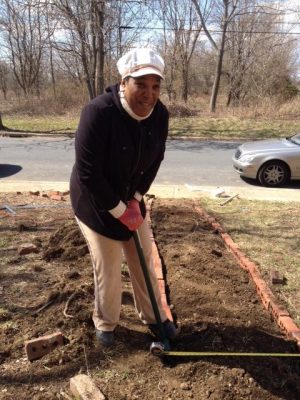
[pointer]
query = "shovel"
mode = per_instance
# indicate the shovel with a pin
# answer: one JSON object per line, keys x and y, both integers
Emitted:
{"x": 156, "y": 347}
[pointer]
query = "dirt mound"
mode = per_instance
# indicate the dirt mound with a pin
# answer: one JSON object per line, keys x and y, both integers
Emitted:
{"x": 66, "y": 243}
{"x": 214, "y": 304}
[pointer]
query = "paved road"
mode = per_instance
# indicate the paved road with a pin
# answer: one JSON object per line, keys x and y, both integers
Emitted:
{"x": 186, "y": 162}
{"x": 189, "y": 168}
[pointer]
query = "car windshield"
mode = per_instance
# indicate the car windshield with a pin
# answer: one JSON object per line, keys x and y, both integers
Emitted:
{"x": 295, "y": 139}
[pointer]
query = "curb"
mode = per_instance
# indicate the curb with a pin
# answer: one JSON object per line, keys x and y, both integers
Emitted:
{"x": 278, "y": 312}
{"x": 35, "y": 134}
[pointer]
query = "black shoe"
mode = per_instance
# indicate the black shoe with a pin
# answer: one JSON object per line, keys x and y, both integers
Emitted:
{"x": 169, "y": 329}
{"x": 106, "y": 338}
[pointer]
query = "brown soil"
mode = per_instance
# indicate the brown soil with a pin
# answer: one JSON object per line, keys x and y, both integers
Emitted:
{"x": 214, "y": 304}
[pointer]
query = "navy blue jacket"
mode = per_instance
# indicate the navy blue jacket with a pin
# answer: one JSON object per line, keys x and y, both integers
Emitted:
{"x": 115, "y": 156}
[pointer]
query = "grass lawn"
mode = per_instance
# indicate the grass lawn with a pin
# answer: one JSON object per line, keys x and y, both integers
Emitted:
{"x": 226, "y": 128}
{"x": 231, "y": 128}
{"x": 269, "y": 233}
{"x": 52, "y": 124}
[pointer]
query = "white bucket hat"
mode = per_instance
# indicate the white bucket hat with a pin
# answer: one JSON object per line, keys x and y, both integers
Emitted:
{"x": 139, "y": 62}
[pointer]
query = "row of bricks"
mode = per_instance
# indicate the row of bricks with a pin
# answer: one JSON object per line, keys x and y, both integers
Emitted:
{"x": 158, "y": 267}
{"x": 278, "y": 312}
{"x": 53, "y": 194}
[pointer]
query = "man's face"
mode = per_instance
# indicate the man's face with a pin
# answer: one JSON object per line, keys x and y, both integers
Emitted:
{"x": 142, "y": 93}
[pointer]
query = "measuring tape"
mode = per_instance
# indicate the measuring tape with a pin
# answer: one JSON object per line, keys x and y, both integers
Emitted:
{"x": 158, "y": 349}
{"x": 223, "y": 354}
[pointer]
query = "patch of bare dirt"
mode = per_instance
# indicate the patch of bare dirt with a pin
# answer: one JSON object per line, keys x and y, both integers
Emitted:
{"x": 214, "y": 304}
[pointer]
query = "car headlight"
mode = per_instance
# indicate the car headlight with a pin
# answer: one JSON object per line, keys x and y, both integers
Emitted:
{"x": 247, "y": 158}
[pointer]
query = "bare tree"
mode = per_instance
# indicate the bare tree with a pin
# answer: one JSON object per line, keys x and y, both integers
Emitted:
{"x": 93, "y": 33}
{"x": 181, "y": 29}
{"x": 253, "y": 43}
{"x": 81, "y": 26}
{"x": 225, "y": 12}
{"x": 26, "y": 39}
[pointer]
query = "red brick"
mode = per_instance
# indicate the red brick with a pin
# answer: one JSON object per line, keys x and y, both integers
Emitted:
{"x": 276, "y": 278}
{"x": 296, "y": 336}
{"x": 27, "y": 248}
{"x": 57, "y": 197}
{"x": 288, "y": 325}
{"x": 278, "y": 310}
{"x": 37, "y": 348}
{"x": 162, "y": 286}
{"x": 53, "y": 193}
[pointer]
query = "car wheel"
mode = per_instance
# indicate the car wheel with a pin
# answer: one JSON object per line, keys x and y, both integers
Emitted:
{"x": 273, "y": 173}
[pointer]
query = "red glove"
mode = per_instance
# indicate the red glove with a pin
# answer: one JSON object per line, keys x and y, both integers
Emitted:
{"x": 132, "y": 216}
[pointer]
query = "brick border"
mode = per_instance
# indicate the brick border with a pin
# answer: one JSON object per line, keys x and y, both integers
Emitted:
{"x": 278, "y": 312}
{"x": 158, "y": 266}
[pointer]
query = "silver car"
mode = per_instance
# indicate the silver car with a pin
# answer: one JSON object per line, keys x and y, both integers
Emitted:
{"x": 273, "y": 162}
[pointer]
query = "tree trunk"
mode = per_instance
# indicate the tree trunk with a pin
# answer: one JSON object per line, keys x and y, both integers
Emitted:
{"x": 100, "y": 50}
{"x": 216, "y": 85}
{"x": 185, "y": 83}
{"x": 2, "y": 127}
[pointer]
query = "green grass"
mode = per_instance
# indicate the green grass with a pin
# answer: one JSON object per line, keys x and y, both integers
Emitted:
{"x": 231, "y": 128}
{"x": 41, "y": 124}
{"x": 225, "y": 128}
{"x": 268, "y": 232}
{"x": 3, "y": 242}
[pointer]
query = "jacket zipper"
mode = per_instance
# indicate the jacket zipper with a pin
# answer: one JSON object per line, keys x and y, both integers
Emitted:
{"x": 138, "y": 160}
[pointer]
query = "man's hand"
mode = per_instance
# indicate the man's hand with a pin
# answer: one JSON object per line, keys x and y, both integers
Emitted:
{"x": 132, "y": 216}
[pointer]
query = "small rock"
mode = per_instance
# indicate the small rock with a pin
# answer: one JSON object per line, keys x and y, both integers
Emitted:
{"x": 83, "y": 387}
{"x": 73, "y": 275}
{"x": 27, "y": 248}
{"x": 185, "y": 386}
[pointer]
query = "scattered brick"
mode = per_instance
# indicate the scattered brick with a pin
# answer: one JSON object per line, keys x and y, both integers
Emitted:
{"x": 37, "y": 348}
{"x": 276, "y": 278}
{"x": 27, "y": 248}
{"x": 57, "y": 197}
{"x": 83, "y": 388}
{"x": 217, "y": 253}
{"x": 35, "y": 193}
{"x": 53, "y": 193}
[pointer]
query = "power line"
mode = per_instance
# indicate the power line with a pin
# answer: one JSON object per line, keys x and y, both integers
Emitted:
{"x": 209, "y": 30}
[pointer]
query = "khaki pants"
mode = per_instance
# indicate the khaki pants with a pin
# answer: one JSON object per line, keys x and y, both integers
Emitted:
{"x": 107, "y": 255}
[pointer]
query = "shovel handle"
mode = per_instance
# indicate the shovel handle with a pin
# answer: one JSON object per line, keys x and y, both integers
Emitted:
{"x": 149, "y": 286}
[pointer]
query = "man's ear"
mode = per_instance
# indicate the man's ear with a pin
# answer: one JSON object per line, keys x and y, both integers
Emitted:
{"x": 123, "y": 82}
